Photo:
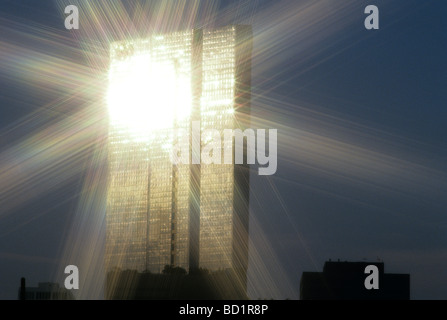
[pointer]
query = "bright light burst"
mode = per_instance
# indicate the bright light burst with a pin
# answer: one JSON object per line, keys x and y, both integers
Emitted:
{"x": 144, "y": 95}
{"x": 51, "y": 147}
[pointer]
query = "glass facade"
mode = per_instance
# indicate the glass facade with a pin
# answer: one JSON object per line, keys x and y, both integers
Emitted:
{"x": 157, "y": 87}
{"x": 217, "y": 110}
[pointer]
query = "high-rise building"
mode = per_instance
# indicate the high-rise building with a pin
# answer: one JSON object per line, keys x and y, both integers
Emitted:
{"x": 180, "y": 213}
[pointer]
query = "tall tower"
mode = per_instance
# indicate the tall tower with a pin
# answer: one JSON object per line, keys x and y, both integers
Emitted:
{"x": 161, "y": 90}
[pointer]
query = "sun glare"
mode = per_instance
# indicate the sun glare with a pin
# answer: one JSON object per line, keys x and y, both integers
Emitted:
{"x": 144, "y": 96}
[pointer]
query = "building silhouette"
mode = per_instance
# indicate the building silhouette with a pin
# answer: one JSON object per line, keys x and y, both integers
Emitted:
{"x": 183, "y": 214}
{"x": 44, "y": 291}
{"x": 346, "y": 281}
{"x": 199, "y": 285}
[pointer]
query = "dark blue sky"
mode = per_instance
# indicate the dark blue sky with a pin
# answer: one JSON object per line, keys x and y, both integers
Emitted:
{"x": 362, "y": 137}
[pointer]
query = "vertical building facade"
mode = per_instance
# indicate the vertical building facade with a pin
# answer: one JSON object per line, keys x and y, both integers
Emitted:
{"x": 161, "y": 212}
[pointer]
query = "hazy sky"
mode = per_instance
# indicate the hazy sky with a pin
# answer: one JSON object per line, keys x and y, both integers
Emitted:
{"x": 362, "y": 136}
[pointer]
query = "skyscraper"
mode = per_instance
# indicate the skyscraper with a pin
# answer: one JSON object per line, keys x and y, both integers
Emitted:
{"x": 161, "y": 212}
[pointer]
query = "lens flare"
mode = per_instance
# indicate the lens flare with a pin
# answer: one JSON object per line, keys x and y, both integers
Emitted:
{"x": 146, "y": 95}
